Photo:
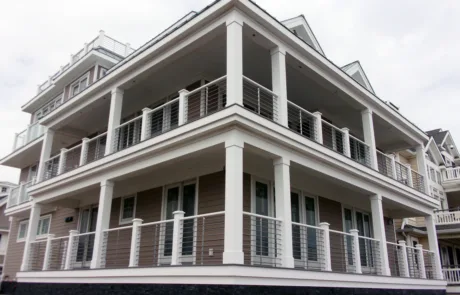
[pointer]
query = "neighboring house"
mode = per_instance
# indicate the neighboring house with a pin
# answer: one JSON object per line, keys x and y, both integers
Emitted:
{"x": 5, "y": 190}
{"x": 229, "y": 147}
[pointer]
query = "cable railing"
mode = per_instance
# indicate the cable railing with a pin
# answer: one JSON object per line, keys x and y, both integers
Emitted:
{"x": 202, "y": 239}
{"x": 302, "y": 121}
{"x": 385, "y": 164}
{"x": 70, "y": 159}
{"x": 205, "y": 100}
{"x": 13, "y": 197}
{"x": 343, "y": 252}
{"x": 397, "y": 259}
{"x": 24, "y": 194}
{"x": 415, "y": 262}
{"x": 127, "y": 134}
{"x": 81, "y": 251}
{"x": 333, "y": 138}
{"x": 369, "y": 250}
{"x": 402, "y": 173}
{"x": 52, "y": 167}
{"x": 162, "y": 119}
{"x": 117, "y": 247}
{"x": 95, "y": 148}
{"x": 260, "y": 100}
{"x": 309, "y": 247}
{"x": 360, "y": 151}
{"x": 155, "y": 243}
{"x": 429, "y": 260}
{"x": 451, "y": 173}
{"x": 418, "y": 182}
{"x": 36, "y": 255}
{"x": 261, "y": 240}
{"x": 57, "y": 253}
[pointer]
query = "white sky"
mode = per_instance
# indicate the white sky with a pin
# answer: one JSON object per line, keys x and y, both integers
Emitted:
{"x": 409, "y": 49}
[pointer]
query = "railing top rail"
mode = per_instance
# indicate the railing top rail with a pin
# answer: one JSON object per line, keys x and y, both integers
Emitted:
{"x": 53, "y": 157}
{"x": 59, "y": 238}
{"x": 128, "y": 122}
{"x": 331, "y": 125}
{"x": 260, "y": 86}
{"x": 394, "y": 244}
{"x": 73, "y": 148}
{"x": 383, "y": 154}
{"x": 118, "y": 228}
{"x": 358, "y": 140}
{"x": 428, "y": 251}
{"x": 453, "y": 168}
{"x": 23, "y": 131}
{"x": 41, "y": 240}
{"x": 416, "y": 172}
{"x": 301, "y": 108}
{"x": 206, "y": 85}
{"x": 340, "y": 232}
{"x": 450, "y": 210}
{"x": 97, "y": 136}
{"x": 156, "y": 222}
{"x": 451, "y": 269}
{"x": 368, "y": 238}
{"x": 306, "y": 225}
{"x": 164, "y": 105}
{"x": 85, "y": 234}
{"x": 204, "y": 215}
{"x": 261, "y": 216}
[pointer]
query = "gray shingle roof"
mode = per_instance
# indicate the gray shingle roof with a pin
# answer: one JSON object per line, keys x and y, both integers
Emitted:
{"x": 437, "y": 134}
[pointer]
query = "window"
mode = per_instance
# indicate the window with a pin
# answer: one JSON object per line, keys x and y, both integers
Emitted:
{"x": 43, "y": 226}
{"x": 128, "y": 209}
{"x": 4, "y": 189}
{"x": 79, "y": 86}
{"x": 354, "y": 219}
{"x": 22, "y": 231}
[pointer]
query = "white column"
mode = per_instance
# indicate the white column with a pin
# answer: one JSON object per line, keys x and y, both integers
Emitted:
{"x": 84, "y": 151}
{"x": 403, "y": 259}
{"x": 62, "y": 161}
{"x": 145, "y": 128}
{"x": 356, "y": 255}
{"x": 45, "y": 153}
{"x": 35, "y": 212}
{"x": 433, "y": 245}
{"x": 421, "y": 166}
{"x": 421, "y": 261}
{"x": 103, "y": 218}
{"x": 116, "y": 103}
{"x": 183, "y": 105}
{"x": 234, "y": 60}
{"x": 378, "y": 226}
{"x": 135, "y": 243}
{"x": 319, "y": 127}
{"x": 72, "y": 247}
{"x": 283, "y": 208}
{"x": 327, "y": 263}
{"x": 369, "y": 136}
{"x": 177, "y": 234}
{"x": 279, "y": 84}
{"x": 346, "y": 142}
{"x": 409, "y": 175}
{"x": 233, "y": 244}
{"x": 46, "y": 260}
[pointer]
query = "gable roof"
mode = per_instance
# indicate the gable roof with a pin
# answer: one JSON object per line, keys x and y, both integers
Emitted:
{"x": 300, "y": 27}
{"x": 438, "y": 135}
{"x": 432, "y": 147}
{"x": 356, "y": 71}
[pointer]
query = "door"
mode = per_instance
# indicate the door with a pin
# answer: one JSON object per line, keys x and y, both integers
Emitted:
{"x": 88, "y": 219}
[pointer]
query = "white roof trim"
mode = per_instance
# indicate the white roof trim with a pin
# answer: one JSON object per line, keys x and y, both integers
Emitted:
{"x": 451, "y": 140}
{"x": 301, "y": 21}
{"x": 355, "y": 67}
{"x": 432, "y": 147}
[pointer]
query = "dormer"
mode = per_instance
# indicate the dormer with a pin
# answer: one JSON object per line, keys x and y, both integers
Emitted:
{"x": 299, "y": 26}
{"x": 356, "y": 71}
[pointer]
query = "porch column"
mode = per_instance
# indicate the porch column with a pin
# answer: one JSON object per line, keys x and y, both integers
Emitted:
{"x": 421, "y": 166}
{"x": 233, "y": 244}
{"x": 279, "y": 83}
{"x": 103, "y": 218}
{"x": 283, "y": 208}
{"x": 234, "y": 60}
{"x": 433, "y": 245}
{"x": 116, "y": 103}
{"x": 35, "y": 212}
{"x": 378, "y": 226}
{"x": 369, "y": 136}
{"x": 45, "y": 153}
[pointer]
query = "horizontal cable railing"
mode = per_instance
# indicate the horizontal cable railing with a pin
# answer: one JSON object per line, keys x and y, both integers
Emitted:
{"x": 36, "y": 255}
{"x": 451, "y": 275}
{"x": 413, "y": 258}
{"x": 57, "y": 253}
{"x": 155, "y": 245}
{"x": 343, "y": 258}
{"x": 71, "y": 158}
{"x": 369, "y": 250}
{"x": 418, "y": 182}
{"x": 162, "y": 119}
{"x": 429, "y": 261}
{"x": 205, "y": 100}
{"x": 116, "y": 47}
{"x": 52, "y": 167}
{"x": 116, "y": 247}
{"x": 202, "y": 239}
{"x": 82, "y": 250}
{"x": 402, "y": 173}
{"x": 127, "y": 134}
{"x": 360, "y": 151}
{"x": 308, "y": 247}
{"x": 95, "y": 148}
{"x": 396, "y": 259}
{"x": 302, "y": 121}
{"x": 333, "y": 137}
{"x": 260, "y": 99}
{"x": 385, "y": 164}
{"x": 261, "y": 240}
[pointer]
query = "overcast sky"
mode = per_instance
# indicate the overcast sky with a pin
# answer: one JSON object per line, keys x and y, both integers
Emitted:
{"x": 410, "y": 50}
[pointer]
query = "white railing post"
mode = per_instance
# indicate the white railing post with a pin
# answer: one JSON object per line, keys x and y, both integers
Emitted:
{"x": 356, "y": 254}
{"x": 84, "y": 151}
{"x": 62, "y": 160}
{"x": 135, "y": 243}
{"x": 15, "y": 141}
{"x": 177, "y": 234}
{"x": 183, "y": 105}
{"x": 421, "y": 261}
{"x": 47, "y": 259}
{"x": 369, "y": 136}
{"x": 127, "y": 47}
{"x": 72, "y": 247}
{"x": 318, "y": 127}
{"x": 346, "y": 142}
{"x": 409, "y": 175}
{"x": 71, "y": 59}
{"x": 393, "y": 166}
{"x": 145, "y": 130}
{"x": 326, "y": 264}
{"x": 378, "y": 226}
{"x": 27, "y": 135}
{"x": 100, "y": 39}
{"x": 85, "y": 48}
{"x": 403, "y": 259}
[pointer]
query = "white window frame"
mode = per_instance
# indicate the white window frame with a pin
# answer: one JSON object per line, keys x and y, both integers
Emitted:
{"x": 40, "y": 236}
{"x": 122, "y": 206}
{"x": 26, "y": 222}
{"x": 77, "y": 82}
{"x": 4, "y": 189}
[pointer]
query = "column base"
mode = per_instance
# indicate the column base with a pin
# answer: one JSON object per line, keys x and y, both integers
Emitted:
{"x": 233, "y": 258}
{"x": 288, "y": 262}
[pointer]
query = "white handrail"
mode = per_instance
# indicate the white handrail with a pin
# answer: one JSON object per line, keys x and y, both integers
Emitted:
{"x": 261, "y": 216}
{"x": 307, "y": 225}
{"x": 53, "y": 157}
{"x": 260, "y": 86}
{"x": 299, "y": 107}
{"x": 359, "y": 140}
{"x": 341, "y": 233}
{"x": 331, "y": 125}
{"x": 84, "y": 234}
{"x": 128, "y": 122}
{"x": 206, "y": 85}
{"x": 118, "y": 228}
{"x": 368, "y": 238}
{"x": 73, "y": 148}
{"x": 163, "y": 105}
{"x": 203, "y": 215}
{"x": 59, "y": 238}
{"x": 156, "y": 222}
{"x": 97, "y": 136}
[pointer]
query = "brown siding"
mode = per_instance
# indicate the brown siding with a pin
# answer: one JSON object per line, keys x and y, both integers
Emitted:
{"x": 15, "y": 251}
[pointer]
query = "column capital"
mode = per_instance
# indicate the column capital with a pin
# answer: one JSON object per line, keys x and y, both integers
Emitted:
{"x": 234, "y": 18}
{"x": 36, "y": 206}
{"x": 117, "y": 91}
{"x": 282, "y": 161}
{"x": 366, "y": 111}
{"x": 324, "y": 224}
{"x": 108, "y": 183}
{"x": 376, "y": 197}
{"x": 354, "y": 231}
{"x": 402, "y": 242}
{"x": 234, "y": 140}
{"x": 278, "y": 49}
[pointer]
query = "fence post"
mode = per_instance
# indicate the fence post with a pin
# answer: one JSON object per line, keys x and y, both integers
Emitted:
{"x": 393, "y": 166}
{"x": 421, "y": 261}
{"x": 46, "y": 260}
{"x": 15, "y": 141}
{"x": 409, "y": 176}
{"x": 183, "y": 104}
{"x": 346, "y": 142}
{"x": 127, "y": 47}
{"x": 84, "y": 151}
{"x": 356, "y": 254}
{"x": 62, "y": 160}
{"x": 318, "y": 127}
{"x": 403, "y": 257}
{"x": 145, "y": 130}
{"x": 326, "y": 265}
{"x": 135, "y": 243}
{"x": 72, "y": 248}
{"x": 177, "y": 233}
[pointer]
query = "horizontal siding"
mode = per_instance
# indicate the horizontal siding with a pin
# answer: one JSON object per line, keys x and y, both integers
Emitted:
{"x": 14, "y": 252}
